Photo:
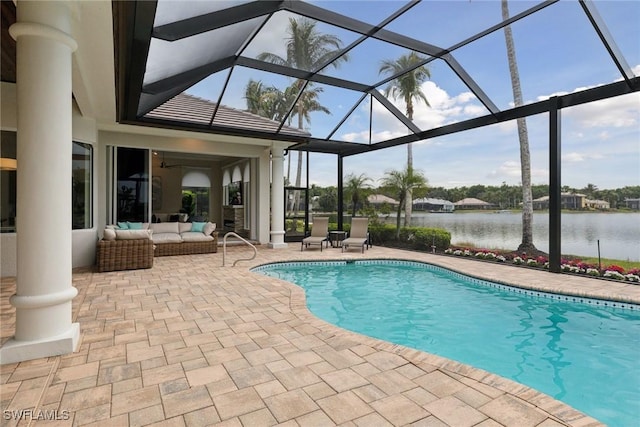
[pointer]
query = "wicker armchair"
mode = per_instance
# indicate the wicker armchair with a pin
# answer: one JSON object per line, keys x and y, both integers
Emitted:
{"x": 114, "y": 255}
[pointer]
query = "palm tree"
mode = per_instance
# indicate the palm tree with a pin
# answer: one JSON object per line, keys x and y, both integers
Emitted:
{"x": 590, "y": 190}
{"x": 526, "y": 245}
{"x": 253, "y": 94}
{"x": 269, "y": 102}
{"x": 309, "y": 50}
{"x": 356, "y": 188}
{"x": 407, "y": 87}
{"x": 401, "y": 183}
{"x": 307, "y": 103}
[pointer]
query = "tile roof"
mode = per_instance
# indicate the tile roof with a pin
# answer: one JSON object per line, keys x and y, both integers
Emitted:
{"x": 471, "y": 201}
{"x": 192, "y": 109}
{"x": 380, "y": 198}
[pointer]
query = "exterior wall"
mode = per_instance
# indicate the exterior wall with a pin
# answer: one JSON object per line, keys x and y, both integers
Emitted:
{"x": 86, "y": 130}
{"x": 633, "y": 203}
{"x": 83, "y": 241}
{"x": 8, "y": 121}
{"x": 83, "y": 247}
{"x": 178, "y": 142}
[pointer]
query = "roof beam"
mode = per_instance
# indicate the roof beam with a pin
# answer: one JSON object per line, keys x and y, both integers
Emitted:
{"x": 607, "y": 39}
{"x": 570, "y": 100}
{"x": 471, "y": 84}
{"x": 211, "y": 21}
{"x": 393, "y": 110}
{"x": 301, "y": 74}
{"x": 194, "y": 75}
{"x": 133, "y": 48}
{"x": 217, "y": 129}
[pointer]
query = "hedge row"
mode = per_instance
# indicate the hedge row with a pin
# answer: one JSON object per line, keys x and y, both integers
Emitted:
{"x": 420, "y": 238}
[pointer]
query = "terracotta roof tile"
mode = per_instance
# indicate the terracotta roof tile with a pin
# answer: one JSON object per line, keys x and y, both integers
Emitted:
{"x": 192, "y": 109}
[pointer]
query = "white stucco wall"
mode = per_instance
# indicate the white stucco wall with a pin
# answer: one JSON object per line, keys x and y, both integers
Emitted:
{"x": 101, "y": 135}
{"x": 83, "y": 241}
{"x": 8, "y": 121}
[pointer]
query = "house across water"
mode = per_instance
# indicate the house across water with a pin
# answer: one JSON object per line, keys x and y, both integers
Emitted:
{"x": 433, "y": 205}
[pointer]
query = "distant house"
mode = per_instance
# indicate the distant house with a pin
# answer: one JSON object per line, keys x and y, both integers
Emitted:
{"x": 632, "y": 203}
{"x": 433, "y": 205}
{"x": 472, "y": 203}
{"x": 597, "y": 204}
{"x": 377, "y": 200}
{"x": 567, "y": 201}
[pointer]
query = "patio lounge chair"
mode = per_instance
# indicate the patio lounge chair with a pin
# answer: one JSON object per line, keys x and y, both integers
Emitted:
{"x": 359, "y": 234}
{"x": 319, "y": 233}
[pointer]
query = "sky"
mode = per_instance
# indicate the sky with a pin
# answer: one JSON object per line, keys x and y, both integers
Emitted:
{"x": 557, "y": 50}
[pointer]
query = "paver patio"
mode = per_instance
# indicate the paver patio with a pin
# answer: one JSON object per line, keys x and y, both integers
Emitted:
{"x": 191, "y": 343}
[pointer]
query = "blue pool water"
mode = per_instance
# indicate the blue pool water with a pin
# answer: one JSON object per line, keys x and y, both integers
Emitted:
{"x": 580, "y": 351}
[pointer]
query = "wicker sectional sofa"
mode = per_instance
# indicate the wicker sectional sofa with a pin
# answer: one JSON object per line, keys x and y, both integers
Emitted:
{"x": 127, "y": 249}
{"x": 130, "y": 254}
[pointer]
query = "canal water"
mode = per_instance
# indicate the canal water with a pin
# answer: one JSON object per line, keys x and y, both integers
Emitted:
{"x": 619, "y": 233}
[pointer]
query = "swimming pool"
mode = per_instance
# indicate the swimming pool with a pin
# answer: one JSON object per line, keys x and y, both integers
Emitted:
{"x": 578, "y": 350}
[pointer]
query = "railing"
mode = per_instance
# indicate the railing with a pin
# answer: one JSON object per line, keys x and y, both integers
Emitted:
{"x": 224, "y": 249}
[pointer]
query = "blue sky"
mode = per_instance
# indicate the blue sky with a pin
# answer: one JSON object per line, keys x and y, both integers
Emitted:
{"x": 558, "y": 52}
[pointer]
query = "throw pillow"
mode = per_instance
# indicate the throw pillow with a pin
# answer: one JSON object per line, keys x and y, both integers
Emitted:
{"x": 209, "y": 228}
{"x": 109, "y": 234}
{"x": 123, "y": 225}
{"x": 134, "y": 225}
{"x": 198, "y": 226}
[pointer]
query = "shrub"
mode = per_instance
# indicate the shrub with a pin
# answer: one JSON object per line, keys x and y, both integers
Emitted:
{"x": 612, "y": 274}
{"x": 593, "y": 272}
{"x": 423, "y": 238}
{"x": 381, "y": 233}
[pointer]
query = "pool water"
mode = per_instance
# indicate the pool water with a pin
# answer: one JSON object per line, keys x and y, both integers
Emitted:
{"x": 579, "y": 351}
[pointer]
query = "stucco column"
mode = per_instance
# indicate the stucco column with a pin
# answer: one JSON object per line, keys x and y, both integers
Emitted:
{"x": 277, "y": 198}
{"x": 43, "y": 226}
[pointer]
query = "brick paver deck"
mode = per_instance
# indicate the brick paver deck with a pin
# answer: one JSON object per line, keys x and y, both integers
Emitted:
{"x": 191, "y": 343}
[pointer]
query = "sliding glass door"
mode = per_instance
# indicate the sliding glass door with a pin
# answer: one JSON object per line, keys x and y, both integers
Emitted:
{"x": 131, "y": 184}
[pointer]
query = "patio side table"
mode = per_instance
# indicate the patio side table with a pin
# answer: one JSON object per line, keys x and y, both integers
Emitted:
{"x": 336, "y": 238}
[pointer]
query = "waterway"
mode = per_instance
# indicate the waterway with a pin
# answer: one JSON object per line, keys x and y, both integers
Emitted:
{"x": 618, "y": 233}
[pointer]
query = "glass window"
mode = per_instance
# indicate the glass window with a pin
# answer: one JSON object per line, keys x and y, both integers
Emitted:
{"x": 81, "y": 184}
{"x": 81, "y": 176}
{"x": 8, "y": 182}
{"x": 195, "y": 202}
{"x": 132, "y": 185}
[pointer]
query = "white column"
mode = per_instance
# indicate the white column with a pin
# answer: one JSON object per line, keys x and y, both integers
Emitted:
{"x": 277, "y": 198}
{"x": 43, "y": 226}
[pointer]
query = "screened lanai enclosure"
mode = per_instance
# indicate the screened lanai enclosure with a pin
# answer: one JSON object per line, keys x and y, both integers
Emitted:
{"x": 352, "y": 77}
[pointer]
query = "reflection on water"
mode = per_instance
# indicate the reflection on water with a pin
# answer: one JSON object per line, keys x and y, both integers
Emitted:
{"x": 619, "y": 233}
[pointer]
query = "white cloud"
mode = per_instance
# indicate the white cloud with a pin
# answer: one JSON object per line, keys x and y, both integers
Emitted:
{"x": 442, "y": 109}
{"x": 510, "y": 169}
{"x": 575, "y": 157}
{"x": 272, "y": 37}
{"x": 621, "y": 111}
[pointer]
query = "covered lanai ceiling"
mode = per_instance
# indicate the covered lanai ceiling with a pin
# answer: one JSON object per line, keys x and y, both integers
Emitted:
{"x": 206, "y": 53}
